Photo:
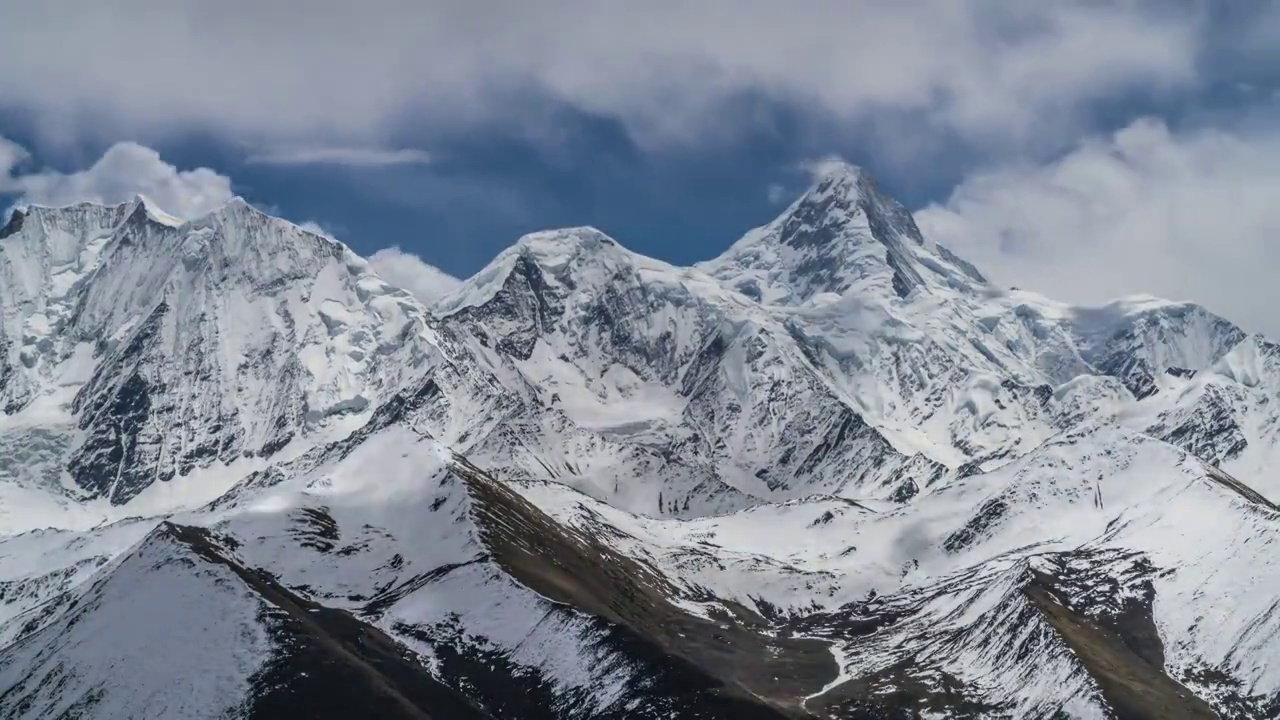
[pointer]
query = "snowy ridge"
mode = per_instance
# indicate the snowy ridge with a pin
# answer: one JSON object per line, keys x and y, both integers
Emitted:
{"x": 71, "y": 666}
{"x": 832, "y": 473}
{"x": 400, "y": 550}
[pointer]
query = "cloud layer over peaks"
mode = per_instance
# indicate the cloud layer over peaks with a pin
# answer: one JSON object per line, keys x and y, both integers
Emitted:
{"x": 1189, "y": 216}
{"x": 126, "y": 169}
{"x": 670, "y": 71}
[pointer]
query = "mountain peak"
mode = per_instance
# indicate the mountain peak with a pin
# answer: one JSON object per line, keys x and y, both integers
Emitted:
{"x": 238, "y": 202}
{"x": 837, "y": 177}
{"x": 583, "y": 236}
{"x": 140, "y": 207}
{"x": 842, "y": 234}
{"x": 556, "y": 250}
{"x": 843, "y": 198}
{"x": 236, "y": 206}
{"x": 152, "y": 211}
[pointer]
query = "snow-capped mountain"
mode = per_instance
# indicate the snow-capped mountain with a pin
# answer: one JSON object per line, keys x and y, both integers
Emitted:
{"x": 842, "y": 235}
{"x": 667, "y": 359}
{"x": 831, "y": 473}
{"x": 153, "y": 348}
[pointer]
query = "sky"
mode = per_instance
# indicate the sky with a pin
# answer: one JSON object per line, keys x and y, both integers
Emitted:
{"x": 1087, "y": 149}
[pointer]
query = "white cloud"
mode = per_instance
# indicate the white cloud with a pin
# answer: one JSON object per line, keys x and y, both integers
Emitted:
{"x": 1186, "y": 216}
{"x": 819, "y": 168}
{"x": 316, "y": 228}
{"x": 126, "y": 169}
{"x": 350, "y": 156}
{"x": 775, "y": 193}
{"x": 11, "y": 153}
{"x": 993, "y": 69}
{"x": 405, "y": 270}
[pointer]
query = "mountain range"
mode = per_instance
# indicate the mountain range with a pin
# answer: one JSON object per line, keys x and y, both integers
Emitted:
{"x": 834, "y": 472}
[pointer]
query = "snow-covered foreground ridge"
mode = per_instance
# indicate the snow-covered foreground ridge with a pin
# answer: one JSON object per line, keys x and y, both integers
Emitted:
{"x": 832, "y": 473}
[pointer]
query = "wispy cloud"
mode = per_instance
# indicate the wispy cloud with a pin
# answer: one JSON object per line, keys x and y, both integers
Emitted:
{"x": 821, "y": 167}
{"x": 775, "y": 193}
{"x": 423, "y": 280}
{"x": 316, "y": 228}
{"x": 349, "y": 156}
